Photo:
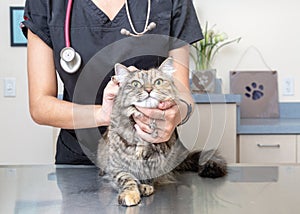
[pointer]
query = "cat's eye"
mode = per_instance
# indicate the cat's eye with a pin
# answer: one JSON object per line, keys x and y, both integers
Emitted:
{"x": 136, "y": 84}
{"x": 158, "y": 82}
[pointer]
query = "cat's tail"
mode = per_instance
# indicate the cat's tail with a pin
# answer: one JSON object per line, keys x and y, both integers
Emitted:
{"x": 208, "y": 164}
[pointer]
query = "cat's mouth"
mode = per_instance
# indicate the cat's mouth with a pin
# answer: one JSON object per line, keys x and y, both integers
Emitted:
{"x": 149, "y": 102}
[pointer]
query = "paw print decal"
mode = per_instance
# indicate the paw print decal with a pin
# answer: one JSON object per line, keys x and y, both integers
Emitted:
{"x": 254, "y": 91}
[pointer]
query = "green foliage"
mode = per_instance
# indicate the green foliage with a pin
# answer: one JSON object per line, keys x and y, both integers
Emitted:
{"x": 209, "y": 46}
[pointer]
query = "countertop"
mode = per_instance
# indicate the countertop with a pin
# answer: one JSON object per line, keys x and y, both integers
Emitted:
{"x": 269, "y": 126}
{"x": 79, "y": 189}
{"x": 288, "y": 122}
{"x": 216, "y": 98}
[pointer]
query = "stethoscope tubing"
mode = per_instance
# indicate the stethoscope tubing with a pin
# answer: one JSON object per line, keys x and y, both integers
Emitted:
{"x": 67, "y": 23}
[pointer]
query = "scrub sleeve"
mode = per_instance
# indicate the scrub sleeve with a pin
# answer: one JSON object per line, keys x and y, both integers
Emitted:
{"x": 91, "y": 31}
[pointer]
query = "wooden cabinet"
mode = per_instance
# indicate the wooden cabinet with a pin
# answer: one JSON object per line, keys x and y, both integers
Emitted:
{"x": 268, "y": 148}
{"x": 212, "y": 126}
{"x": 270, "y": 140}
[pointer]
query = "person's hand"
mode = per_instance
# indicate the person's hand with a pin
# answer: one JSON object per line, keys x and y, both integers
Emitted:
{"x": 157, "y": 125}
{"x": 110, "y": 91}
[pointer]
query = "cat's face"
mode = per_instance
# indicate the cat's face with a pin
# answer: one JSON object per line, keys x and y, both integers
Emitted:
{"x": 146, "y": 88}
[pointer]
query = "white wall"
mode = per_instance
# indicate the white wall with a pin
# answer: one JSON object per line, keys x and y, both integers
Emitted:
{"x": 21, "y": 140}
{"x": 272, "y": 26}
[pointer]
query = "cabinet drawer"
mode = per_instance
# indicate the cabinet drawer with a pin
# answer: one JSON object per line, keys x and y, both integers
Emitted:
{"x": 267, "y": 148}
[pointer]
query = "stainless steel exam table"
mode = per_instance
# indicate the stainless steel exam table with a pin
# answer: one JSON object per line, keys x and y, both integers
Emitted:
{"x": 79, "y": 189}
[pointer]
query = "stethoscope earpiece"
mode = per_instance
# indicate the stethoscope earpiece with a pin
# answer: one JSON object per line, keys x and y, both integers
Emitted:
{"x": 151, "y": 26}
{"x": 70, "y": 60}
{"x": 125, "y": 32}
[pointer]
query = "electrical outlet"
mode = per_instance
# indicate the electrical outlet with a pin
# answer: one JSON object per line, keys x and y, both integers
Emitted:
{"x": 9, "y": 87}
{"x": 288, "y": 86}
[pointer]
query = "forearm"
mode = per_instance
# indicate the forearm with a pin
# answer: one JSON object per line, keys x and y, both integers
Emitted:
{"x": 51, "y": 111}
{"x": 45, "y": 108}
{"x": 181, "y": 79}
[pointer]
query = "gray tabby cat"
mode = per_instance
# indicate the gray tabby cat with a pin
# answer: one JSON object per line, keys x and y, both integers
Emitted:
{"x": 133, "y": 165}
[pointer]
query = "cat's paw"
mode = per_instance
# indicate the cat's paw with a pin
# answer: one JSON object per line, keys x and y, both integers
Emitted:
{"x": 129, "y": 198}
{"x": 146, "y": 189}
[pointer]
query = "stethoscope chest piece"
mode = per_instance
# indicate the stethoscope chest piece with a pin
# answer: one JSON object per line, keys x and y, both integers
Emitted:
{"x": 70, "y": 60}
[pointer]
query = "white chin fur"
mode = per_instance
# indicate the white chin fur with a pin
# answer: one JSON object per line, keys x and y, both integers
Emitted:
{"x": 147, "y": 103}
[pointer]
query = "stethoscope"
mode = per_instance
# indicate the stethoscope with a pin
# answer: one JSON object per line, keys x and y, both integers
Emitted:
{"x": 70, "y": 60}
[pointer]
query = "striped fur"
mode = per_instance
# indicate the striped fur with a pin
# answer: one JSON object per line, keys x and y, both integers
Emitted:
{"x": 134, "y": 165}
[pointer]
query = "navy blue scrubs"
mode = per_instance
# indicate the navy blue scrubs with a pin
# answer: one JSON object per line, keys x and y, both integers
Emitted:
{"x": 92, "y": 31}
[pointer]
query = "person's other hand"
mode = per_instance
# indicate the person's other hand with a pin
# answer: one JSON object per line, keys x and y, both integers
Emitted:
{"x": 157, "y": 125}
{"x": 110, "y": 92}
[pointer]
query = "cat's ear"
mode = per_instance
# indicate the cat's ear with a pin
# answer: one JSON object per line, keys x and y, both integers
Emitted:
{"x": 121, "y": 72}
{"x": 167, "y": 66}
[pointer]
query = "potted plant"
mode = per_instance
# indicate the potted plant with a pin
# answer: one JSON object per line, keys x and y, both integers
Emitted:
{"x": 203, "y": 55}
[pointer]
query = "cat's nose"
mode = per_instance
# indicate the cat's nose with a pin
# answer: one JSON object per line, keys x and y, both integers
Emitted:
{"x": 148, "y": 89}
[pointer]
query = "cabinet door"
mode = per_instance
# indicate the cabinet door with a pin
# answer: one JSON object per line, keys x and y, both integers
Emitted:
{"x": 267, "y": 148}
{"x": 212, "y": 126}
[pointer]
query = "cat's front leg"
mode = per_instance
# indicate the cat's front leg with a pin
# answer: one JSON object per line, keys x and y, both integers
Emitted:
{"x": 141, "y": 146}
{"x": 129, "y": 193}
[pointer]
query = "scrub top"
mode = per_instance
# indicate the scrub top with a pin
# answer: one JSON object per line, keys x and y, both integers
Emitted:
{"x": 91, "y": 31}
